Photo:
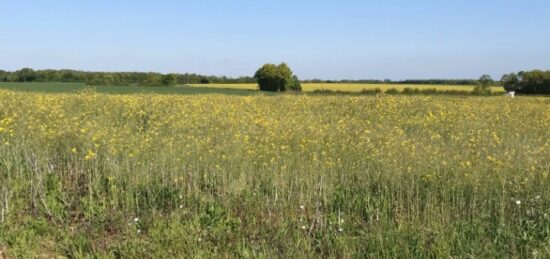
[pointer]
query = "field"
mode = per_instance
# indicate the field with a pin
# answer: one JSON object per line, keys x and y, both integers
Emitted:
{"x": 231, "y": 89}
{"x": 309, "y": 87}
{"x": 157, "y": 175}
{"x": 76, "y": 87}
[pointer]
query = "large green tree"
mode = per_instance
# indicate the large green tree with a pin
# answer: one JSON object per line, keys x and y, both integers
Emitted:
{"x": 527, "y": 82}
{"x": 510, "y": 82}
{"x": 276, "y": 78}
{"x": 484, "y": 85}
{"x": 169, "y": 79}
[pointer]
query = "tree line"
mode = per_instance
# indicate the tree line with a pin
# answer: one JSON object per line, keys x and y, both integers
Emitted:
{"x": 150, "y": 78}
{"x": 115, "y": 78}
{"x": 530, "y": 82}
{"x": 523, "y": 82}
{"x": 403, "y": 82}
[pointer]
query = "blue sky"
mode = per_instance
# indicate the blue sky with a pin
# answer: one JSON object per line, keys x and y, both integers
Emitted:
{"x": 348, "y": 39}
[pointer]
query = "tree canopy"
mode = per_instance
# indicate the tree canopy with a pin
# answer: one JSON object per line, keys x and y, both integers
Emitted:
{"x": 114, "y": 78}
{"x": 484, "y": 85}
{"x": 485, "y": 81}
{"x": 531, "y": 82}
{"x": 276, "y": 78}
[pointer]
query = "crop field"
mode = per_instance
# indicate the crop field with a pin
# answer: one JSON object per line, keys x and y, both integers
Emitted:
{"x": 231, "y": 89}
{"x": 55, "y": 87}
{"x": 158, "y": 176}
{"x": 353, "y": 87}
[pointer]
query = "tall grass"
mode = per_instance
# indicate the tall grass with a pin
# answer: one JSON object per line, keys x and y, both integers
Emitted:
{"x": 285, "y": 176}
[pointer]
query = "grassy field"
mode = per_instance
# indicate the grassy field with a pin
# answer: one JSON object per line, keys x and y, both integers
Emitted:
{"x": 309, "y": 87}
{"x": 76, "y": 87}
{"x": 156, "y": 176}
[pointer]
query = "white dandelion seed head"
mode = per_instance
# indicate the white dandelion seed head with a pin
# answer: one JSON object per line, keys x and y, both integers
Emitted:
{"x": 302, "y": 207}
{"x": 518, "y": 202}
{"x": 136, "y": 219}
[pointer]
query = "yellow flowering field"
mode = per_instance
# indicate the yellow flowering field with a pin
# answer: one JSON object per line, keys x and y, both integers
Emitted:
{"x": 352, "y": 87}
{"x": 150, "y": 175}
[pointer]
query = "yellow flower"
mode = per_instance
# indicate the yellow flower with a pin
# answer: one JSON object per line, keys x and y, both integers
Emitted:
{"x": 89, "y": 155}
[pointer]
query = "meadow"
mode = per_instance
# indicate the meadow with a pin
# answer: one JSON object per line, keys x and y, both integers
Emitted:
{"x": 56, "y": 87}
{"x": 211, "y": 175}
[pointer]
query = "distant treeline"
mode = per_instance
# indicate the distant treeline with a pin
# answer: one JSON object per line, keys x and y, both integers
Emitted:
{"x": 115, "y": 78}
{"x": 532, "y": 82}
{"x": 143, "y": 78}
{"x": 402, "y": 82}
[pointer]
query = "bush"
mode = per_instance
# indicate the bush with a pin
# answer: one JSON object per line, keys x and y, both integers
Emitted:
{"x": 481, "y": 90}
{"x": 392, "y": 91}
{"x": 374, "y": 91}
{"x": 277, "y": 78}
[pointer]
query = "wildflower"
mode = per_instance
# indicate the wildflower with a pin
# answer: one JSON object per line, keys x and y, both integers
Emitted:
{"x": 518, "y": 202}
{"x": 136, "y": 220}
{"x": 302, "y": 207}
{"x": 90, "y": 155}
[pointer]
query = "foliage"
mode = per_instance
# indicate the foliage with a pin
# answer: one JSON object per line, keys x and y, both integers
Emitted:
{"x": 463, "y": 82}
{"x": 484, "y": 85}
{"x": 169, "y": 79}
{"x": 295, "y": 84}
{"x": 485, "y": 81}
{"x": 275, "y": 78}
{"x": 113, "y": 78}
{"x": 532, "y": 82}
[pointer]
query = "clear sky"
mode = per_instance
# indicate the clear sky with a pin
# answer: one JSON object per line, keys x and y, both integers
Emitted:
{"x": 347, "y": 39}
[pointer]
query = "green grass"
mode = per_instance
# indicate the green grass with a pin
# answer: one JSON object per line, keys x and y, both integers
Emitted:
{"x": 75, "y": 87}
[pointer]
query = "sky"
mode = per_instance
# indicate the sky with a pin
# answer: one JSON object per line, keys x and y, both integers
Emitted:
{"x": 347, "y": 39}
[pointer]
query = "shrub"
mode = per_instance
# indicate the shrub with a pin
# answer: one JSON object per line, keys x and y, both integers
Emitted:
{"x": 392, "y": 91}
{"x": 277, "y": 78}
